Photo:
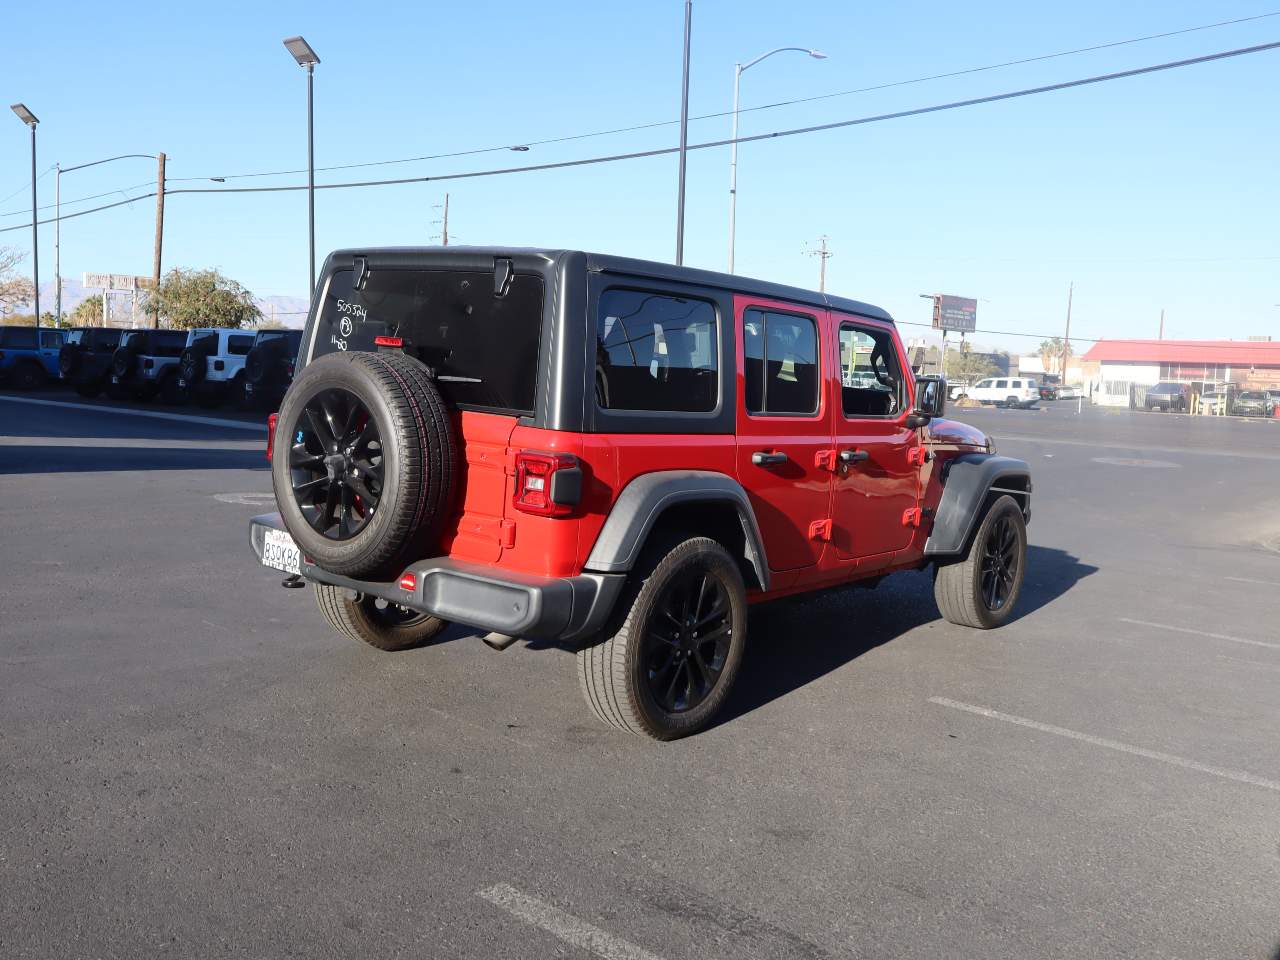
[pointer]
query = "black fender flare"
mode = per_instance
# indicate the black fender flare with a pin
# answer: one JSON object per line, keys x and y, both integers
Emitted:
{"x": 644, "y": 499}
{"x": 966, "y": 481}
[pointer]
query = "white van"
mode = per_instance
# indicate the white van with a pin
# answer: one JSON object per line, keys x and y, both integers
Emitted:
{"x": 1006, "y": 392}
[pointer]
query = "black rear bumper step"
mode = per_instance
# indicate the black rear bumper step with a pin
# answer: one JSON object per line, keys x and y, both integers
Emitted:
{"x": 518, "y": 605}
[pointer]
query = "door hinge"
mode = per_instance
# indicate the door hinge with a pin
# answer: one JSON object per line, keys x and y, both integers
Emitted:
{"x": 820, "y": 530}
{"x": 508, "y": 534}
{"x": 919, "y": 456}
{"x": 825, "y": 460}
{"x": 914, "y": 516}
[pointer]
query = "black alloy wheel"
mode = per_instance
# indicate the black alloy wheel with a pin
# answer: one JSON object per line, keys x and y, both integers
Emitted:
{"x": 335, "y": 464}
{"x": 1000, "y": 559}
{"x": 687, "y": 644}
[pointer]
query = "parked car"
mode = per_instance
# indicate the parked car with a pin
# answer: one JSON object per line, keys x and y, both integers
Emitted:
{"x": 85, "y": 360}
{"x": 612, "y": 480}
{"x": 1253, "y": 403}
{"x": 1049, "y": 391}
{"x": 1070, "y": 391}
{"x": 957, "y": 389}
{"x": 29, "y": 357}
{"x": 1169, "y": 397}
{"x": 268, "y": 368}
{"x": 145, "y": 365}
{"x": 1006, "y": 392}
{"x": 211, "y": 368}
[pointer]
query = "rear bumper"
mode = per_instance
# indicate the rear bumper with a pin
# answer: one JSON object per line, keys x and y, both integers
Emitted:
{"x": 518, "y": 605}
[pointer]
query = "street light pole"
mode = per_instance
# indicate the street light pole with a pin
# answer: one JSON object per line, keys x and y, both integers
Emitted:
{"x": 29, "y": 118}
{"x": 738, "y": 70}
{"x": 308, "y": 59}
{"x": 684, "y": 133}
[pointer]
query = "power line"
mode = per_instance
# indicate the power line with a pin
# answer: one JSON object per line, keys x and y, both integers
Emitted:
{"x": 666, "y": 123}
{"x": 767, "y": 106}
{"x": 662, "y": 151}
{"x": 1200, "y": 344}
{"x": 26, "y": 186}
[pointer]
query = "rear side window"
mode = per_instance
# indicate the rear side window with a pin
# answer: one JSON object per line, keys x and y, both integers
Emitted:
{"x": 19, "y": 339}
{"x": 1002, "y": 384}
{"x": 483, "y": 349}
{"x": 239, "y": 345}
{"x": 169, "y": 343}
{"x": 50, "y": 341}
{"x": 655, "y": 352}
{"x": 781, "y": 359}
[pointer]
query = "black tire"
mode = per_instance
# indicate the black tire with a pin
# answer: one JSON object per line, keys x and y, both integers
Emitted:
{"x": 124, "y": 361}
{"x": 1011, "y": 403}
{"x": 619, "y": 675}
{"x": 68, "y": 359}
{"x": 192, "y": 364}
{"x": 378, "y": 623}
{"x": 28, "y": 376}
{"x": 963, "y": 589}
{"x": 398, "y": 459}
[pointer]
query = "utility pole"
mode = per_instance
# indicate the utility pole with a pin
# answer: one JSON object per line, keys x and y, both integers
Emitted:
{"x": 57, "y": 242}
{"x": 684, "y": 134}
{"x": 155, "y": 263}
{"x": 1066, "y": 339}
{"x": 1161, "y": 323}
{"x": 444, "y": 226}
{"x": 823, "y": 255}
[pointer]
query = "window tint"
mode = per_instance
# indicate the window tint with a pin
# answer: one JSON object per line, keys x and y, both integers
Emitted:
{"x": 51, "y": 340}
{"x": 483, "y": 348}
{"x": 870, "y": 377}
{"x": 983, "y": 385}
{"x": 781, "y": 351}
{"x": 1002, "y": 384}
{"x": 655, "y": 352}
{"x": 168, "y": 343}
{"x": 239, "y": 345}
{"x": 17, "y": 338}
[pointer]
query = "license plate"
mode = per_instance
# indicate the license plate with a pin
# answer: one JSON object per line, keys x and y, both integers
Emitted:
{"x": 280, "y": 552}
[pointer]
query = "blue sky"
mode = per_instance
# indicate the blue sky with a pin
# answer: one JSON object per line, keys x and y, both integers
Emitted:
{"x": 1152, "y": 192}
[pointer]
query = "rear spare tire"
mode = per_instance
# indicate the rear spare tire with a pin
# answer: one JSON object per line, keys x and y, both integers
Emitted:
{"x": 365, "y": 463}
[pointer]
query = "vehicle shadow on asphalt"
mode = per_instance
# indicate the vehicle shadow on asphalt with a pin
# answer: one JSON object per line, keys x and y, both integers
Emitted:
{"x": 795, "y": 642}
{"x": 37, "y": 459}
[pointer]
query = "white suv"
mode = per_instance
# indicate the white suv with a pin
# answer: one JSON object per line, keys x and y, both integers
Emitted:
{"x": 1007, "y": 392}
{"x": 212, "y": 366}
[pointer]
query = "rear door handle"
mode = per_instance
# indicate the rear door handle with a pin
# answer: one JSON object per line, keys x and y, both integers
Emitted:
{"x": 763, "y": 458}
{"x": 854, "y": 456}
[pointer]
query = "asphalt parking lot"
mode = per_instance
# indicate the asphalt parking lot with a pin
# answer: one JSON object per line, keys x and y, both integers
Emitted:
{"x": 195, "y": 767}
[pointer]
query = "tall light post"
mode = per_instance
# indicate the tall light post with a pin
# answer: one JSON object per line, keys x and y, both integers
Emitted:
{"x": 59, "y": 170}
{"x": 29, "y": 118}
{"x": 738, "y": 70}
{"x": 307, "y": 59}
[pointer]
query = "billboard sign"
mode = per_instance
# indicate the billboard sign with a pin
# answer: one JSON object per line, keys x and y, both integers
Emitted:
{"x": 958, "y": 314}
{"x": 117, "y": 281}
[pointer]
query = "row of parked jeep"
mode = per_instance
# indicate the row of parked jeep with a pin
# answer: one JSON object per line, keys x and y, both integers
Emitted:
{"x": 208, "y": 366}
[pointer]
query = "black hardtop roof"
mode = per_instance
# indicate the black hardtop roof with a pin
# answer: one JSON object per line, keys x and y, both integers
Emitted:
{"x": 481, "y": 257}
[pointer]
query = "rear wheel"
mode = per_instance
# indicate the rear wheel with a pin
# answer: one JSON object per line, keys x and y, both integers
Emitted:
{"x": 1011, "y": 402}
{"x": 667, "y": 667}
{"x": 377, "y": 622}
{"x": 28, "y": 376}
{"x": 981, "y": 589}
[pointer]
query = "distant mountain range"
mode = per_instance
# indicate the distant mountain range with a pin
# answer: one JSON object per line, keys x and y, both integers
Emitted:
{"x": 291, "y": 311}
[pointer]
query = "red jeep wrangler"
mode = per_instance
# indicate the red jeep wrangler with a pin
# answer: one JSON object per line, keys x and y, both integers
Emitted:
{"x": 617, "y": 457}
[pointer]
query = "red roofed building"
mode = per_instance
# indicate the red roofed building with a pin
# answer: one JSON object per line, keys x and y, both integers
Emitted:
{"x": 1127, "y": 366}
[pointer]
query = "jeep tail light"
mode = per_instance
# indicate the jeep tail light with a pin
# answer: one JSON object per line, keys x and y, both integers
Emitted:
{"x": 272, "y": 420}
{"x": 547, "y": 484}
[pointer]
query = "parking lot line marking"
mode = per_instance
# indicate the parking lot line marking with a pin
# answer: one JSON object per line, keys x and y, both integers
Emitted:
{"x": 567, "y": 927}
{"x": 1239, "y": 776}
{"x": 153, "y": 414}
{"x": 1264, "y": 583}
{"x": 1201, "y": 633}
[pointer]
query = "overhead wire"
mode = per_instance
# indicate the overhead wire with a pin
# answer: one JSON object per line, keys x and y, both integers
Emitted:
{"x": 663, "y": 151}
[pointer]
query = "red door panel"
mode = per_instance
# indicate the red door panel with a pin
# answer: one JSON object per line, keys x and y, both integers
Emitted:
{"x": 877, "y": 483}
{"x": 783, "y": 426}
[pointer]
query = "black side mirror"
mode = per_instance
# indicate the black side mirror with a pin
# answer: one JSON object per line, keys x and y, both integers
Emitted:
{"x": 931, "y": 400}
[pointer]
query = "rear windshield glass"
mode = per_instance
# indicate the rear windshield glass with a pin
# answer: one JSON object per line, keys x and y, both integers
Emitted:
{"x": 484, "y": 349}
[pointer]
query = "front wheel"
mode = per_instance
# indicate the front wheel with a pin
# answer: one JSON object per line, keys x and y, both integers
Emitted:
{"x": 668, "y": 666}
{"x": 981, "y": 589}
{"x": 379, "y": 623}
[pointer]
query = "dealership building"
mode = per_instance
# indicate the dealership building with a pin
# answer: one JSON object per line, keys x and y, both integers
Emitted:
{"x": 1127, "y": 367}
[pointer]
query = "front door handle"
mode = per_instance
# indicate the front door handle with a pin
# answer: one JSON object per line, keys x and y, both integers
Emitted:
{"x": 854, "y": 456}
{"x": 763, "y": 458}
